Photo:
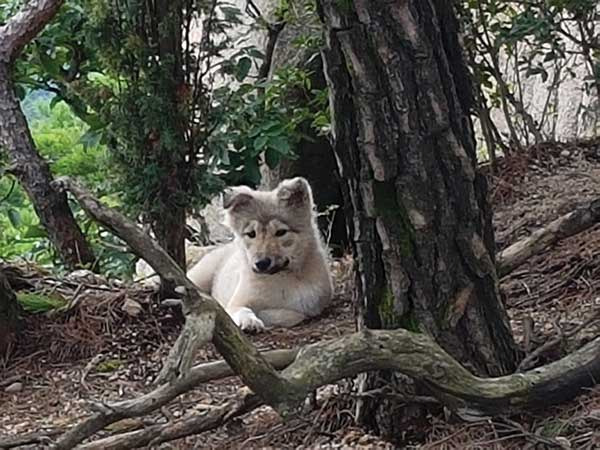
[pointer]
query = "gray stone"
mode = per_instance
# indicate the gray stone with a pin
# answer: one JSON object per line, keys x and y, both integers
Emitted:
{"x": 14, "y": 387}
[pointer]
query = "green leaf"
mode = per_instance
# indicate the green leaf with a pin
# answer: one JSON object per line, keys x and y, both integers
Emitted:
{"x": 14, "y": 216}
{"x": 49, "y": 64}
{"x": 38, "y": 303}
{"x": 231, "y": 13}
{"x": 242, "y": 68}
{"x": 272, "y": 158}
{"x": 252, "y": 171}
{"x": 55, "y": 101}
{"x": 256, "y": 53}
{"x": 260, "y": 142}
{"x": 91, "y": 139}
{"x": 35, "y": 232}
{"x": 20, "y": 91}
{"x": 550, "y": 56}
{"x": 281, "y": 144}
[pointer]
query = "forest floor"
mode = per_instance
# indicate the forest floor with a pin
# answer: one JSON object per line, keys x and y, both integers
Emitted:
{"x": 111, "y": 342}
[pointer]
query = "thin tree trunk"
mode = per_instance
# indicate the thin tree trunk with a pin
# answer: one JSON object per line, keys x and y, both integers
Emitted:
{"x": 170, "y": 233}
{"x": 421, "y": 223}
{"x": 29, "y": 167}
{"x": 169, "y": 223}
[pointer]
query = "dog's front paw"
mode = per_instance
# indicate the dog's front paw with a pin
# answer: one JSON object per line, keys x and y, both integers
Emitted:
{"x": 247, "y": 320}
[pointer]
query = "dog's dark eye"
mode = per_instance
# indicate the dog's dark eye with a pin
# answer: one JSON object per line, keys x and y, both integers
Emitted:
{"x": 280, "y": 233}
{"x": 251, "y": 234}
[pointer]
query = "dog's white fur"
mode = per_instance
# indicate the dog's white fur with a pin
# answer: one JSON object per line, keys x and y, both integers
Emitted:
{"x": 278, "y": 227}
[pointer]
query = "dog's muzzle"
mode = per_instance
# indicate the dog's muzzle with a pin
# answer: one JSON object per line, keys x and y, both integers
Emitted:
{"x": 265, "y": 266}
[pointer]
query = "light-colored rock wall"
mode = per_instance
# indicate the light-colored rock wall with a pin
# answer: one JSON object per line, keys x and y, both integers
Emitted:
{"x": 565, "y": 102}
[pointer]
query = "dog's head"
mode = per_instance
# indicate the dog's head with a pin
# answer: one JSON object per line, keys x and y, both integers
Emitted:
{"x": 275, "y": 227}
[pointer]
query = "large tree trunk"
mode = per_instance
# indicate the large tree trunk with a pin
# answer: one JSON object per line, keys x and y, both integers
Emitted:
{"x": 29, "y": 167}
{"x": 9, "y": 315}
{"x": 421, "y": 232}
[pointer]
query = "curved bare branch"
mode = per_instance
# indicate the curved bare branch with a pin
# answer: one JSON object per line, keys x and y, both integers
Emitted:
{"x": 24, "y": 26}
{"x": 110, "y": 413}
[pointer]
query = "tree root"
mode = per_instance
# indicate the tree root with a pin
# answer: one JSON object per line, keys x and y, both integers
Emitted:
{"x": 415, "y": 355}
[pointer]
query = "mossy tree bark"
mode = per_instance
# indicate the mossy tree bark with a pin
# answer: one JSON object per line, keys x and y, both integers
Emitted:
{"x": 420, "y": 222}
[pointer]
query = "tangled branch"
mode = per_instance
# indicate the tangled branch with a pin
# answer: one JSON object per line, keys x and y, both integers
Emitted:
{"x": 315, "y": 365}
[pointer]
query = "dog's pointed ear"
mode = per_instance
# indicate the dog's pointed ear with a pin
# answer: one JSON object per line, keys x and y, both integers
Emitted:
{"x": 234, "y": 200}
{"x": 295, "y": 192}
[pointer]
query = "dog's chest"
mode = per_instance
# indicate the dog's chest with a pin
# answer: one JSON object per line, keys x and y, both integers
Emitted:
{"x": 286, "y": 292}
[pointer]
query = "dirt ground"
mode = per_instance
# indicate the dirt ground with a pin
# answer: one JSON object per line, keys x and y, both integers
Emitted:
{"x": 110, "y": 344}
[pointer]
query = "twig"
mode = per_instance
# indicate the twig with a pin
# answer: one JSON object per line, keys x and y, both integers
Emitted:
{"x": 88, "y": 368}
{"x": 193, "y": 424}
{"x": 404, "y": 398}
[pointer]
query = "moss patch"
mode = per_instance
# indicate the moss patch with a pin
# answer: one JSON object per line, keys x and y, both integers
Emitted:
{"x": 390, "y": 317}
{"x": 35, "y": 303}
{"x": 109, "y": 365}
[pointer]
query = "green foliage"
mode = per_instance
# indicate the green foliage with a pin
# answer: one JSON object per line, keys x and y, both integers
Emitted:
{"x": 57, "y": 133}
{"x": 21, "y": 235}
{"x": 159, "y": 120}
{"x": 156, "y": 115}
{"x": 264, "y": 122}
{"x": 58, "y": 137}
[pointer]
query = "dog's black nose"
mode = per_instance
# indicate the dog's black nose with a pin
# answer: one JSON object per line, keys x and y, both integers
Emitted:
{"x": 262, "y": 265}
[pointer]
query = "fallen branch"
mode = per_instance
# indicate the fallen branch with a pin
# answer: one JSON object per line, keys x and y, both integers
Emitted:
{"x": 419, "y": 357}
{"x": 110, "y": 413}
{"x": 193, "y": 424}
{"x": 565, "y": 226}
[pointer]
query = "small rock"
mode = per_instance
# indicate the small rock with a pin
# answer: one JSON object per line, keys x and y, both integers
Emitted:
{"x": 180, "y": 290}
{"x": 563, "y": 442}
{"x": 14, "y": 387}
{"x": 565, "y": 153}
{"x": 131, "y": 307}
